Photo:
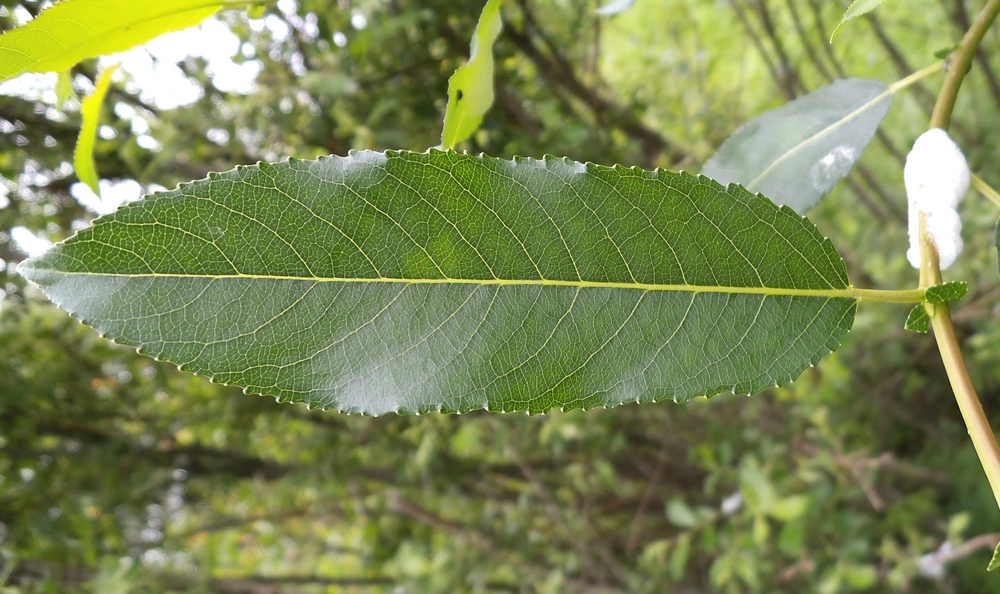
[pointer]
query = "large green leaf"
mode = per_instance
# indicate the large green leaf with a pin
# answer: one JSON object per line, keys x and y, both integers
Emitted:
{"x": 797, "y": 153}
{"x": 73, "y": 30}
{"x": 442, "y": 281}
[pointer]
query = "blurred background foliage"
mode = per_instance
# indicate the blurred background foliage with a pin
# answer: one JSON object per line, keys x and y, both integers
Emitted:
{"x": 119, "y": 474}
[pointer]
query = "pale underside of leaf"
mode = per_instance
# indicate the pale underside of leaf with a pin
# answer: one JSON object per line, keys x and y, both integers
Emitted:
{"x": 74, "y": 30}
{"x": 797, "y": 153}
{"x": 413, "y": 282}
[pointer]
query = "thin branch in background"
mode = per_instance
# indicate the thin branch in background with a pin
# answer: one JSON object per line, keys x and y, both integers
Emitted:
{"x": 559, "y": 72}
{"x": 790, "y": 78}
{"x": 876, "y": 186}
{"x": 632, "y": 542}
{"x": 587, "y": 561}
{"x": 595, "y": 46}
{"x": 755, "y": 38}
{"x": 822, "y": 35}
{"x": 866, "y": 199}
{"x": 809, "y": 47}
{"x": 949, "y": 554}
{"x": 903, "y": 68}
{"x": 890, "y": 146}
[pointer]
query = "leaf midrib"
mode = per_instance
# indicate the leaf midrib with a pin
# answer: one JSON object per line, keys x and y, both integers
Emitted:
{"x": 847, "y": 292}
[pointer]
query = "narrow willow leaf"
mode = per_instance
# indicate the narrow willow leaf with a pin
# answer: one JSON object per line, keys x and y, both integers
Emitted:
{"x": 615, "y": 7}
{"x": 995, "y": 561}
{"x": 414, "y": 282}
{"x": 90, "y": 112}
{"x": 73, "y": 30}
{"x": 856, "y": 9}
{"x": 470, "y": 88}
{"x": 64, "y": 87}
{"x": 944, "y": 292}
{"x": 918, "y": 320}
{"x": 797, "y": 153}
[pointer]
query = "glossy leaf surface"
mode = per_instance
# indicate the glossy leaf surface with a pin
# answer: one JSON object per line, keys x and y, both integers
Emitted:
{"x": 797, "y": 153}
{"x": 73, "y": 30}
{"x": 411, "y": 282}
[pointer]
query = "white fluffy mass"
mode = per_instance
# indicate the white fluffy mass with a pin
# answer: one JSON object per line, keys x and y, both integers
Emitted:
{"x": 936, "y": 176}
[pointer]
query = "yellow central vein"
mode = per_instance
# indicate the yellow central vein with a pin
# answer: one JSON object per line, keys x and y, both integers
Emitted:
{"x": 850, "y": 292}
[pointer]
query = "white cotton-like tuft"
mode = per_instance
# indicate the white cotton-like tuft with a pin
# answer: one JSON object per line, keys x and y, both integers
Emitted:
{"x": 945, "y": 229}
{"x": 936, "y": 173}
{"x": 936, "y": 176}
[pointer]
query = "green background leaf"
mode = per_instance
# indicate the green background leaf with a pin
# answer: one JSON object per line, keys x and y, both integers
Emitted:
{"x": 470, "y": 89}
{"x": 74, "y": 30}
{"x": 995, "y": 560}
{"x": 90, "y": 113}
{"x": 797, "y": 153}
{"x": 413, "y": 282}
{"x": 856, "y": 9}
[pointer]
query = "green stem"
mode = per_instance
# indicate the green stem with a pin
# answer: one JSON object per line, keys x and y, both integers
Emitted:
{"x": 985, "y": 189}
{"x": 905, "y": 296}
{"x": 979, "y": 428}
{"x": 961, "y": 61}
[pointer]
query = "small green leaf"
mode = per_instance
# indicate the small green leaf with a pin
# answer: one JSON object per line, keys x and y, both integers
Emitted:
{"x": 918, "y": 320}
{"x": 856, "y": 9}
{"x": 64, "y": 87}
{"x": 797, "y": 153}
{"x": 944, "y": 292}
{"x": 615, "y": 7}
{"x": 73, "y": 30}
{"x": 995, "y": 561}
{"x": 470, "y": 88}
{"x": 944, "y": 52}
{"x": 257, "y": 12}
{"x": 416, "y": 282}
{"x": 90, "y": 112}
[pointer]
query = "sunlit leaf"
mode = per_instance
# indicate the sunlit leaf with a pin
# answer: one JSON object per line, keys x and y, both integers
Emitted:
{"x": 995, "y": 561}
{"x": 856, "y": 9}
{"x": 64, "y": 87}
{"x": 73, "y": 30}
{"x": 797, "y": 153}
{"x": 470, "y": 88}
{"x": 615, "y": 7}
{"x": 90, "y": 113}
{"x": 415, "y": 282}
